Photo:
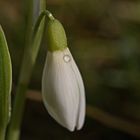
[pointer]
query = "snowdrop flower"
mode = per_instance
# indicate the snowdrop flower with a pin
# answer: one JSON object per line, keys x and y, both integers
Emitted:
{"x": 62, "y": 85}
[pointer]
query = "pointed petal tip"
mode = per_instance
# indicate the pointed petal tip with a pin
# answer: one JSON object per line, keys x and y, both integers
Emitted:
{"x": 79, "y": 127}
{"x": 81, "y": 121}
{"x": 71, "y": 129}
{"x": 69, "y": 125}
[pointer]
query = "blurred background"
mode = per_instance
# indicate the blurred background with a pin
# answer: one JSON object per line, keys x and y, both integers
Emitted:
{"x": 104, "y": 38}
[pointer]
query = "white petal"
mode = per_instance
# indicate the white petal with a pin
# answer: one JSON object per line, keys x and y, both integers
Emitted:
{"x": 60, "y": 90}
{"x": 82, "y": 107}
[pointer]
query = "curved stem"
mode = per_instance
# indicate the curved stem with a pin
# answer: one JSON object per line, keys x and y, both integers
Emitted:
{"x": 41, "y": 16}
{"x": 29, "y": 58}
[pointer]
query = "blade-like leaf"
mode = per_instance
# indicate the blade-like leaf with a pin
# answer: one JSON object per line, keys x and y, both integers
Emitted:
{"x": 5, "y": 81}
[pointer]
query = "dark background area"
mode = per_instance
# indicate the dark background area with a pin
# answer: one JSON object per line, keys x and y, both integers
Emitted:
{"x": 104, "y": 38}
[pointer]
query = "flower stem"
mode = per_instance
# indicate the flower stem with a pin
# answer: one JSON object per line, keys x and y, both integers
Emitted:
{"x": 2, "y": 133}
{"x": 29, "y": 59}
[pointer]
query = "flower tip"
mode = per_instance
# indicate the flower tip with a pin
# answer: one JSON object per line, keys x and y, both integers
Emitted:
{"x": 79, "y": 127}
{"x": 81, "y": 122}
{"x": 71, "y": 129}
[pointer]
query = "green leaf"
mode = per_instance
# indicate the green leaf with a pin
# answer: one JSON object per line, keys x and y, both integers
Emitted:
{"x": 5, "y": 81}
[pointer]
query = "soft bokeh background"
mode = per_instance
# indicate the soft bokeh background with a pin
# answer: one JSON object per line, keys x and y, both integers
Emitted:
{"x": 104, "y": 37}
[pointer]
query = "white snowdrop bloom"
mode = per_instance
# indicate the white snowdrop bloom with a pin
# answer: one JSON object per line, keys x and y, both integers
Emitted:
{"x": 62, "y": 85}
{"x": 63, "y": 90}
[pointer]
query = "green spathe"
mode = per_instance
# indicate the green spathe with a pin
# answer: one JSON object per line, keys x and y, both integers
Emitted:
{"x": 5, "y": 81}
{"x": 56, "y": 37}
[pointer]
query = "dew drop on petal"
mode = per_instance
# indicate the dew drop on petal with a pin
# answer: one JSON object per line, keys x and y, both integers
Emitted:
{"x": 67, "y": 58}
{"x": 50, "y": 16}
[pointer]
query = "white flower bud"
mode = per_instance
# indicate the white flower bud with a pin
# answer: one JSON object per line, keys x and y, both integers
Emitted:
{"x": 63, "y": 90}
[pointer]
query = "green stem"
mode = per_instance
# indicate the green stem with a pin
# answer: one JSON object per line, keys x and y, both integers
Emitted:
{"x": 29, "y": 59}
{"x": 2, "y": 133}
{"x": 41, "y": 16}
{"x": 16, "y": 118}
